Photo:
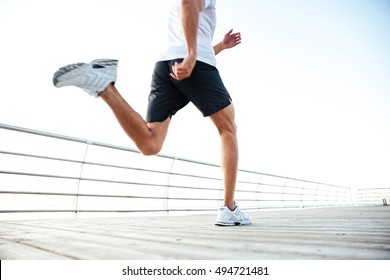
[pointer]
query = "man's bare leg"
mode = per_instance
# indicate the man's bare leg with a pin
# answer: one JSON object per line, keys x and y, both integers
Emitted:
{"x": 148, "y": 137}
{"x": 224, "y": 121}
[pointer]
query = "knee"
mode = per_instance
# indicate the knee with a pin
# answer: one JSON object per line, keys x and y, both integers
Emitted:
{"x": 229, "y": 129}
{"x": 233, "y": 128}
{"x": 149, "y": 149}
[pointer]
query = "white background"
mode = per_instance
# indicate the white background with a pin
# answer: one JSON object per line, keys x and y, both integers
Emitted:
{"x": 310, "y": 81}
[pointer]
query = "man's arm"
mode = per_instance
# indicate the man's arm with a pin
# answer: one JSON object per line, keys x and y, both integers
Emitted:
{"x": 190, "y": 21}
{"x": 230, "y": 40}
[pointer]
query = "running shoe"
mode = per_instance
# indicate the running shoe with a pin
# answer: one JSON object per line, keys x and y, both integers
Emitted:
{"x": 227, "y": 217}
{"x": 92, "y": 77}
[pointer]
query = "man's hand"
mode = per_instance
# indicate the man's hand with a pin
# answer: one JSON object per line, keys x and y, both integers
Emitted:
{"x": 184, "y": 69}
{"x": 230, "y": 40}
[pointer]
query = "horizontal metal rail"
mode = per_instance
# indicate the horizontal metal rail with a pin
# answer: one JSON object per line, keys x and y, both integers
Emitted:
{"x": 126, "y": 149}
{"x": 153, "y": 185}
{"x": 373, "y": 196}
{"x": 76, "y": 184}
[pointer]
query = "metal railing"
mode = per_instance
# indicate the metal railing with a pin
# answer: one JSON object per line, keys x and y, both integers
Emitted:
{"x": 373, "y": 196}
{"x": 50, "y": 174}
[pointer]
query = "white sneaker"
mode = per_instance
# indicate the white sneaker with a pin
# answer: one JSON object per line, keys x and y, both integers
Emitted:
{"x": 92, "y": 77}
{"x": 227, "y": 217}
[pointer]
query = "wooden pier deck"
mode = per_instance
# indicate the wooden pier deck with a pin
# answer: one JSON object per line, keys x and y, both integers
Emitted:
{"x": 353, "y": 233}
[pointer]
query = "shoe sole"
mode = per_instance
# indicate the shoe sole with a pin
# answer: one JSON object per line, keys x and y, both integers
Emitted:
{"x": 232, "y": 224}
{"x": 65, "y": 70}
{"x": 104, "y": 63}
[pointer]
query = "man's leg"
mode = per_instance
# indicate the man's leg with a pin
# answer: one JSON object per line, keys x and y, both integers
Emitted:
{"x": 148, "y": 137}
{"x": 224, "y": 121}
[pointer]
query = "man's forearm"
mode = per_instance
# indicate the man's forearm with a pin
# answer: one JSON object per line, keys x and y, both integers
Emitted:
{"x": 218, "y": 48}
{"x": 190, "y": 21}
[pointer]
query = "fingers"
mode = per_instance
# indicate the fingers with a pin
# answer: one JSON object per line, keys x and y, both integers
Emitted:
{"x": 174, "y": 71}
{"x": 180, "y": 72}
{"x": 232, "y": 40}
{"x": 230, "y": 33}
{"x": 183, "y": 70}
{"x": 177, "y": 71}
{"x": 238, "y": 38}
{"x": 235, "y": 38}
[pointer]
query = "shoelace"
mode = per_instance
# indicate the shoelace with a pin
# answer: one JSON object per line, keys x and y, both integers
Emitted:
{"x": 240, "y": 215}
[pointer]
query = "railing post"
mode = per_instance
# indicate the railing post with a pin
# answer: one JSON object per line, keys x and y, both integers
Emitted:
{"x": 259, "y": 190}
{"x": 80, "y": 178}
{"x": 316, "y": 195}
{"x": 301, "y": 194}
{"x": 166, "y": 193}
{"x": 351, "y": 197}
{"x": 284, "y": 192}
{"x": 328, "y": 202}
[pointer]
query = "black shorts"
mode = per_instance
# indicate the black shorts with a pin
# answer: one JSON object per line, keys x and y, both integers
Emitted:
{"x": 204, "y": 88}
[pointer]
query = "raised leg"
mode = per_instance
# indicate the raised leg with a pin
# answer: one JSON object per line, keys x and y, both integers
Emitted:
{"x": 148, "y": 137}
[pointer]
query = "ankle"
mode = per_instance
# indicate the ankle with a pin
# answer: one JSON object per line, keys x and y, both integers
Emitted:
{"x": 108, "y": 92}
{"x": 230, "y": 205}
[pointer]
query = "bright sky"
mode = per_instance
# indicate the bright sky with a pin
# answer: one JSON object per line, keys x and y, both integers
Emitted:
{"x": 310, "y": 81}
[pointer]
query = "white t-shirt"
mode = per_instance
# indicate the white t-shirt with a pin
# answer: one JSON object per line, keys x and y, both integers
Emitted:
{"x": 177, "y": 47}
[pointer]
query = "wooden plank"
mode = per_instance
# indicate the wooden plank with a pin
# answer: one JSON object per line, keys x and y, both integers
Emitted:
{"x": 15, "y": 251}
{"x": 323, "y": 233}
